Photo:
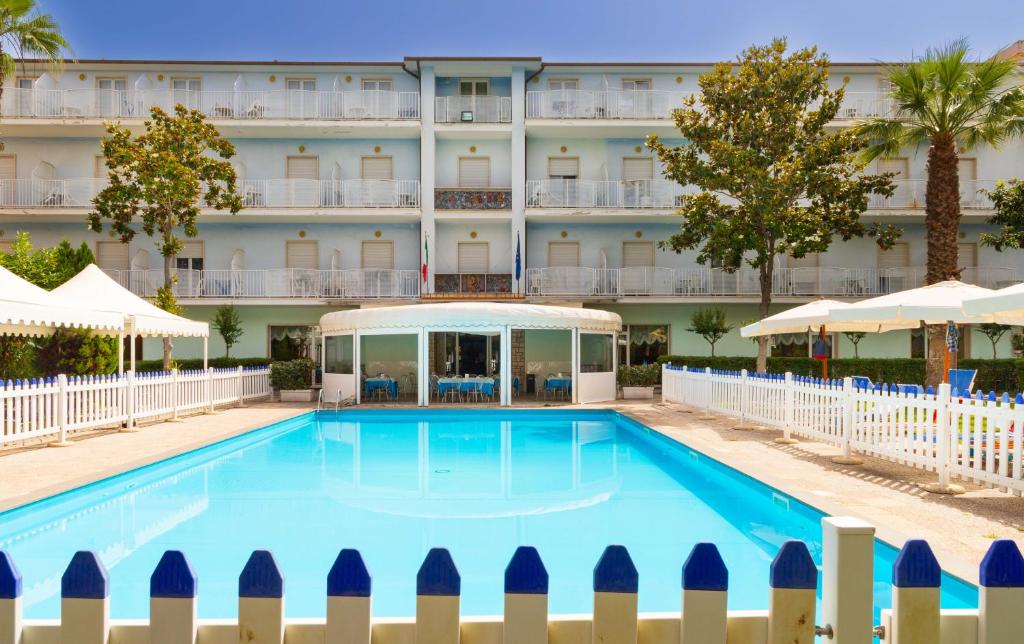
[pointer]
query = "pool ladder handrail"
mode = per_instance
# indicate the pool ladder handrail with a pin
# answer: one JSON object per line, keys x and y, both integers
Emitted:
{"x": 320, "y": 400}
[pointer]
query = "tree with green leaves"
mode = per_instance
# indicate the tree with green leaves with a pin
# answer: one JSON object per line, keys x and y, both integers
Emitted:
{"x": 709, "y": 324}
{"x": 228, "y": 323}
{"x": 1007, "y": 216}
{"x": 158, "y": 181}
{"x": 994, "y": 332}
{"x": 26, "y": 33}
{"x": 855, "y": 337}
{"x": 772, "y": 177}
{"x": 950, "y": 103}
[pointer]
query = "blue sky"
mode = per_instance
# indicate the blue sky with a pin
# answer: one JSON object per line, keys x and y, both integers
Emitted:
{"x": 594, "y": 30}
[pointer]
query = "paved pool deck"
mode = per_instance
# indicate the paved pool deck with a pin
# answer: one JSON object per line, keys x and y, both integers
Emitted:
{"x": 959, "y": 528}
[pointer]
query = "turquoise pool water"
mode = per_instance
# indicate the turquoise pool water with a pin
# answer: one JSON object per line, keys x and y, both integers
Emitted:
{"x": 396, "y": 483}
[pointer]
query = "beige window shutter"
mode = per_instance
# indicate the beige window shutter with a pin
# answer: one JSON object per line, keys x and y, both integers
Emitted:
{"x": 8, "y": 167}
{"x": 474, "y": 257}
{"x": 378, "y": 168}
{"x": 637, "y": 169}
{"x": 112, "y": 255}
{"x": 968, "y": 255}
{"x": 563, "y": 253}
{"x": 474, "y": 172}
{"x": 302, "y": 254}
{"x": 810, "y": 260}
{"x": 378, "y": 255}
{"x": 563, "y": 167}
{"x": 967, "y": 169}
{"x": 900, "y": 166}
{"x": 637, "y": 254}
{"x": 192, "y": 248}
{"x": 303, "y": 168}
{"x": 99, "y": 167}
{"x": 896, "y": 257}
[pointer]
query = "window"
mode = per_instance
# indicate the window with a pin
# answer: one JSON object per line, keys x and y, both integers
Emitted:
{"x": 563, "y": 167}
{"x": 99, "y": 167}
{"x": 474, "y": 87}
{"x": 187, "y": 84}
{"x": 378, "y": 255}
{"x": 896, "y": 257}
{"x": 637, "y": 254}
{"x": 303, "y": 254}
{"x": 637, "y": 168}
{"x": 474, "y": 172}
{"x": 967, "y": 169}
{"x": 643, "y": 343}
{"x": 190, "y": 257}
{"x": 118, "y": 84}
{"x": 917, "y": 343}
{"x": 474, "y": 257}
{"x": 595, "y": 353}
{"x": 380, "y": 168}
{"x": 563, "y": 83}
{"x": 377, "y": 85}
{"x": 25, "y": 82}
{"x": 636, "y": 84}
{"x": 968, "y": 254}
{"x": 303, "y": 168}
{"x": 563, "y": 254}
{"x": 338, "y": 354}
{"x": 8, "y": 174}
{"x": 288, "y": 342}
{"x": 900, "y": 166}
{"x": 300, "y": 84}
{"x": 112, "y": 255}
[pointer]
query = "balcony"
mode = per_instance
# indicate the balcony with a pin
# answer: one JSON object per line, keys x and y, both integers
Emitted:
{"x": 603, "y": 104}
{"x": 702, "y": 282}
{"x": 583, "y": 193}
{"x": 473, "y": 198}
{"x": 473, "y": 286}
{"x": 49, "y": 193}
{"x": 283, "y": 283}
{"x": 910, "y": 193}
{"x": 863, "y": 105}
{"x": 216, "y": 104}
{"x": 473, "y": 109}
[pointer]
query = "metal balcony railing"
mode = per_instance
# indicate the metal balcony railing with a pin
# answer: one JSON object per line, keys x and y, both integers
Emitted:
{"x": 584, "y": 193}
{"x": 603, "y": 104}
{"x": 278, "y": 283}
{"x": 910, "y": 193}
{"x": 217, "y": 104}
{"x": 473, "y": 109}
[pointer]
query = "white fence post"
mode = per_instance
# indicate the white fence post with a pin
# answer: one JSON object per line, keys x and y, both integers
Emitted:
{"x": 261, "y": 600}
{"x": 847, "y": 404}
{"x": 915, "y": 595}
{"x": 615, "y": 598}
{"x": 10, "y": 601}
{"x": 744, "y": 401}
{"x": 943, "y": 453}
{"x": 240, "y": 385}
{"x": 1000, "y": 594}
{"x": 847, "y": 578}
{"x": 438, "y": 586}
{"x": 793, "y": 582}
{"x": 705, "y": 588}
{"x": 789, "y": 399}
{"x": 172, "y": 601}
{"x": 209, "y": 390}
{"x": 708, "y": 392}
{"x": 348, "y": 600}
{"x": 174, "y": 394}
{"x": 62, "y": 412}
{"x": 85, "y": 601}
{"x": 526, "y": 599}
{"x": 129, "y": 392}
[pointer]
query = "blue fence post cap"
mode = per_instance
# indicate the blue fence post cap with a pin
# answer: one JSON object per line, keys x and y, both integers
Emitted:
{"x": 85, "y": 577}
{"x": 261, "y": 576}
{"x": 438, "y": 575}
{"x": 705, "y": 570}
{"x": 10, "y": 578}
{"x": 793, "y": 567}
{"x": 916, "y": 566}
{"x": 615, "y": 572}
{"x": 525, "y": 573}
{"x": 1002, "y": 566}
{"x": 349, "y": 576}
{"x": 173, "y": 577}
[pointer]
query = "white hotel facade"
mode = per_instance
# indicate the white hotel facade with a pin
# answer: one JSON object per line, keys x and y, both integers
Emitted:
{"x": 354, "y": 173}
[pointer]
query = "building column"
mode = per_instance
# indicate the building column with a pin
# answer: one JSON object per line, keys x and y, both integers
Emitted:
{"x": 517, "y": 162}
{"x": 427, "y": 161}
{"x": 506, "y": 366}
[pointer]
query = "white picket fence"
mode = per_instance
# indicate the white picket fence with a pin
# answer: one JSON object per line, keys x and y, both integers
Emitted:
{"x": 55, "y": 407}
{"x": 847, "y": 588}
{"x": 975, "y": 439}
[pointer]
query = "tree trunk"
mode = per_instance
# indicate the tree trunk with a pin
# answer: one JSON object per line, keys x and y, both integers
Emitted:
{"x": 765, "y": 280}
{"x": 168, "y": 283}
{"x": 942, "y": 222}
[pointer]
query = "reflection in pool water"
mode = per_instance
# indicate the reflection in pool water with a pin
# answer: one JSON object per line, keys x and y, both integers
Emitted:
{"x": 396, "y": 483}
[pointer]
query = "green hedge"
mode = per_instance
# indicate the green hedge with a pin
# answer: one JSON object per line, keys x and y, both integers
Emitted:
{"x": 997, "y": 375}
{"x": 197, "y": 363}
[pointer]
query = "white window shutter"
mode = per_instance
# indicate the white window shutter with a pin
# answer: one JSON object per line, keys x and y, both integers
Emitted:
{"x": 563, "y": 253}
{"x": 378, "y": 255}
{"x": 303, "y": 168}
{"x": 474, "y": 257}
{"x": 112, "y": 255}
{"x": 379, "y": 168}
{"x": 637, "y": 254}
{"x": 563, "y": 167}
{"x": 968, "y": 255}
{"x": 302, "y": 254}
{"x": 474, "y": 172}
{"x": 637, "y": 169}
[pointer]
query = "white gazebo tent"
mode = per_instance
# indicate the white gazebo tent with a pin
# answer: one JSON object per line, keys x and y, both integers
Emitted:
{"x": 1005, "y": 306}
{"x": 589, "y": 329}
{"x": 93, "y": 287}
{"x": 26, "y": 309}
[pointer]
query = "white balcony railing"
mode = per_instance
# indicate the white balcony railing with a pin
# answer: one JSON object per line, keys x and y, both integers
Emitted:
{"x": 910, "y": 193}
{"x": 49, "y": 193}
{"x": 216, "y": 104}
{"x": 278, "y": 283}
{"x": 603, "y": 104}
{"x": 863, "y": 105}
{"x": 696, "y": 282}
{"x": 583, "y": 193}
{"x": 473, "y": 109}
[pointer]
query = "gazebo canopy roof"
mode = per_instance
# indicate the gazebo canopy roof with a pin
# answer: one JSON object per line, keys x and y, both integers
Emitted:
{"x": 933, "y": 304}
{"x": 94, "y": 288}
{"x": 26, "y": 309}
{"x": 1005, "y": 306}
{"x": 455, "y": 315}
{"x": 810, "y": 317}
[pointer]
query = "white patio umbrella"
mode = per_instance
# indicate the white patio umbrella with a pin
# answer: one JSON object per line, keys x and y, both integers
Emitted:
{"x": 1005, "y": 306}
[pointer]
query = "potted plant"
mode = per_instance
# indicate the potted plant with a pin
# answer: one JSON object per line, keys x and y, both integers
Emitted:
{"x": 293, "y": 379}
{"x": 638, "y": 381}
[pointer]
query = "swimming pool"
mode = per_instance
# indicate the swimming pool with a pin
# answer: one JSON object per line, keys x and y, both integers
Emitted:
{"x": 396, "y": 483}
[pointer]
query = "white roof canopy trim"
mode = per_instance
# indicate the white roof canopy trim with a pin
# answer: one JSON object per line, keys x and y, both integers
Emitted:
{"x": 26, "y": 309}
{"x": 455, "y": 315}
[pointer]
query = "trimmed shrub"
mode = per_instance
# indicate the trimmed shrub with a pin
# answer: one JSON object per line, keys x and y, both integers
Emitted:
{"x": 292, "y": 374}
{"x": 646, "y": 375}
{"x": 197, "y": 363}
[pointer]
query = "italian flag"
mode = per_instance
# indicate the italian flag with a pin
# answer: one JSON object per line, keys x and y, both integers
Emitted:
{"x": 426, "y": 258}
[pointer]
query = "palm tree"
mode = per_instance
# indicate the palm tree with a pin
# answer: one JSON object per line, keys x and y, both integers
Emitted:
{"x": 951, "y": 104}
{"x": 26, "y": 33}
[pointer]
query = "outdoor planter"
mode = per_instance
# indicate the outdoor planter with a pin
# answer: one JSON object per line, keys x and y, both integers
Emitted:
{"x": 296, "y": 395}
{"x": 638, "y": 393}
